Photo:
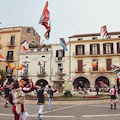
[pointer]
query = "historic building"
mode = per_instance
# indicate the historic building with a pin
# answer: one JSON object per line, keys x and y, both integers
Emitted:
{"x": 85, "y": 49}
{"x": 10, "y": 40}
{"x": 48, "y": 64}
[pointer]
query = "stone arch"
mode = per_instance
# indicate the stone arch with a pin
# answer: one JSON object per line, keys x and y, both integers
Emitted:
{"x": 81, "y": 82}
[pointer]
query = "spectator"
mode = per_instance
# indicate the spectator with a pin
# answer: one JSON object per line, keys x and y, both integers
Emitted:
{"x": 50, "y": 96}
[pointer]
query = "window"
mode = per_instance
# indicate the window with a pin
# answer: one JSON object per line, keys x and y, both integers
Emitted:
{"x": 9, "y": 55}
{"x": 42, "y": 68}
{"x": 8, "y": 71}
{"x": 94, "y": 49}
{"x": 29, "y": 30}
{"x": 12, "y": 40}
{"x": 108, "y": 48}
{"x": 108, "y": 64}
{"x": 60, "y": 67}
{"x": 94, "y": 38}
{"x": 33, "y": 33}
{"x": 25, "y": 69}
{"x": 118, "y": 47}
{"x": 80, "y": 63}
{"x": 60, "y": 54}
{"x": 80, "y": 39}
{"x": 79, "y": 49}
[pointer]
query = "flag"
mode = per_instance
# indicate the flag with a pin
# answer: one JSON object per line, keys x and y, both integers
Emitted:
{"x": 41, "y": 63}
{"x": 1, "y": 57}
{"x": 20, "y": 67}
{"x": 94, "y": 63}
{"x": 0, "y": 77}
{"x": 103, "y": 69}
{"x": 0, "y": 47}
{"x": 25, "y": 45}
{"x": 63, "y": 44}
{"x": 45, "y": 17}
{"x": 115, "y": 68}
{"x": 83, "y": 65}
{"x": 103, "y": 32}
{"x": 47, "y": 34}
{"x": 11, "y": 65}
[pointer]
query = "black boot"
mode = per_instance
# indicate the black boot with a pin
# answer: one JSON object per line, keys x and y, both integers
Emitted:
{"x": 111, "y": 106}
{"x": 114, "y": 106}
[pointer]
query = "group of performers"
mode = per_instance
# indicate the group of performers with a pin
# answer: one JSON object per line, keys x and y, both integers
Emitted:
{"x": 15, "y": 91}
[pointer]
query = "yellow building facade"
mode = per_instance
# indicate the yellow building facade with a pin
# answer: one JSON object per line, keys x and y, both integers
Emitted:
{"x": 10, "y": 41}
{"x": 85, "y": 49}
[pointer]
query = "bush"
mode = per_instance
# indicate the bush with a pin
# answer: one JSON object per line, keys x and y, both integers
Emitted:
{"x": 67, "y": 94}
{"x": 3, "y": 74}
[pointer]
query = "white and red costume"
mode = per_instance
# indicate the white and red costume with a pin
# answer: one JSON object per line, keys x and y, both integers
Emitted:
{"x": 113, "y": 93}
{"x": 17, "y": 99}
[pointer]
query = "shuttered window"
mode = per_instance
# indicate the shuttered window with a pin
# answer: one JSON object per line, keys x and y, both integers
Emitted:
{"x": 80, "y": 63}
{"x": 80, "y": 50}
{"x": 108, "y": 64}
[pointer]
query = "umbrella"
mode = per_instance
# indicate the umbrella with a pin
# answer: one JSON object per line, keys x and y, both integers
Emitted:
{"x": 24, "y": 81}
{"x": 41, "y": 82}
{"x": 1, "y": 57}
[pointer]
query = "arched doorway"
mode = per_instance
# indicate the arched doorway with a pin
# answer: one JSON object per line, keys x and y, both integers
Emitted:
{"x": 81, "y": 82}
{"x": 41, "y": 82}
{"x": 102, "y": 79}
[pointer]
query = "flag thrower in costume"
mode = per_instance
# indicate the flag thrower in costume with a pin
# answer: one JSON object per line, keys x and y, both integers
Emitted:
{"x": 25, "y": 45}
{"x": 11, "y": 65}
{"x": 45, "y": 17}
{"x": 1, "y": 57}
{"x": 103, "y": 32}
{"x": 63, "y": 44}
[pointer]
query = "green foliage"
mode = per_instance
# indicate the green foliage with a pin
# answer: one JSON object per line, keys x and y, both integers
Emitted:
{"x": 4, "y": 75}
{"x": 67, "y": 94}
{"x": 33, "y": 45}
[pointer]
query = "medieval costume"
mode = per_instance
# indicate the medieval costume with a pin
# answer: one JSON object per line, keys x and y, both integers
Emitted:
{"x": 17, "y": 99}
{"x": 113, "y": 93}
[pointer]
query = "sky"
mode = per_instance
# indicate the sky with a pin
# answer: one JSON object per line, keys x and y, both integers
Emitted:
{"x": 68, "y": 17}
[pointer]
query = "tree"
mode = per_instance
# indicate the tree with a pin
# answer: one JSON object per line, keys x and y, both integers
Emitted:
{"x": 3, "y": 75}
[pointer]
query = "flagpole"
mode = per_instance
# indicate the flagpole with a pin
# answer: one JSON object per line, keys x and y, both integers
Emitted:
{"x": 36, "y": 28}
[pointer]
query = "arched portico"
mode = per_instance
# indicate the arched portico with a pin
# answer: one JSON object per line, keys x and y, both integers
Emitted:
{"x": 81, "y": 82}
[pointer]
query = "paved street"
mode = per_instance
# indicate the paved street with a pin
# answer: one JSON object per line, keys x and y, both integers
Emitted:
{"x": 99, "y": 111}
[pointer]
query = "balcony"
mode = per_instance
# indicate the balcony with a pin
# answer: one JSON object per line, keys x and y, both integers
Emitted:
{"x": 95, "y": 54}
{"x": 58, "y": 59}
{"x": 11, "y": 44}
{"x": 9, "y": 58}
{"x": 100, "y": 70}
{"x": 41, "y": 74}
{"x": 24, "y": 74}
{"x": 79, "y": 70}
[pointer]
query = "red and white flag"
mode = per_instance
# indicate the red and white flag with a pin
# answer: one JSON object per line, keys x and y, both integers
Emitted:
{"x": 103, "y": 32}
{"x": 25, "y": 45}
{"x": 45, "y": 17}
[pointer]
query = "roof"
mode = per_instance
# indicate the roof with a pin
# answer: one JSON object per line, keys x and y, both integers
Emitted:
{"x": 93, "y": 34}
